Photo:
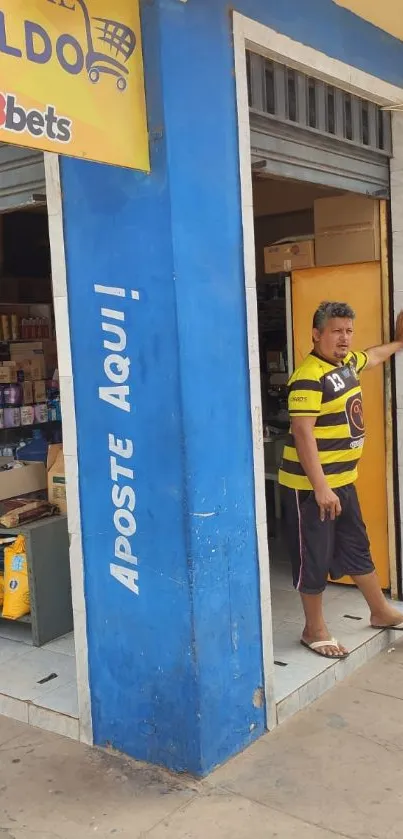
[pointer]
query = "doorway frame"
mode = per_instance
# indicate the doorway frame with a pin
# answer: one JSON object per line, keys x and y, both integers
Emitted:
{"x": 249, "y": 34}
{"x": 69, "y": 422}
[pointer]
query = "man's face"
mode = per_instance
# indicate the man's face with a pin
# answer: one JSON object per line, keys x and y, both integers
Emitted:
{"x": 334, "y": 342}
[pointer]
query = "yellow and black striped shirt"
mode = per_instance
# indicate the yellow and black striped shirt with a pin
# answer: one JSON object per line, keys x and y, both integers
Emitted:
{"x": 333, "y": 395}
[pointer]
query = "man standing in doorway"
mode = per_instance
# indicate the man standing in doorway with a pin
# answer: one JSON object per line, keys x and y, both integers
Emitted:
{"x": 325, "y": 529}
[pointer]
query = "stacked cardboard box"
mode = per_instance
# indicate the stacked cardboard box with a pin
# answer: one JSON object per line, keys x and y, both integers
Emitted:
{"x": 289, "y": 256}
{"x": 347, "y": 230}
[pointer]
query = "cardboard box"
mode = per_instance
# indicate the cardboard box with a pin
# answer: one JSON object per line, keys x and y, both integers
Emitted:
{"x": 347, "y": 230}
{"x": 57, "y": 477}
{"x": 289, "y": 256}
{"x": 39, "y": 391}
{"x": 27, "y": 415}
{"x": 8, "y": 374}
{"x": 30, "y": 477}
{"x": 32, "y": 368}
{"x": 27, "y": 348}
{"x": 42, "y": 351}
{"x": 38, "y": 368}
{"x": 28, "y": 393}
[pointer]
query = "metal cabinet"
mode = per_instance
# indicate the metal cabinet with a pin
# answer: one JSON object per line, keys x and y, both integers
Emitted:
{"x": 47, "y": 545}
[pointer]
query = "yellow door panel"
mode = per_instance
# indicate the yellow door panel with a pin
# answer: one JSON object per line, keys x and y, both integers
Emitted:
{"x": 360, "y": 286}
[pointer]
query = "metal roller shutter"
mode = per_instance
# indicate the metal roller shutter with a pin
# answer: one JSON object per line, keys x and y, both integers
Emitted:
{"x": 22, "y": 178}
{"x": 304, "y": 129}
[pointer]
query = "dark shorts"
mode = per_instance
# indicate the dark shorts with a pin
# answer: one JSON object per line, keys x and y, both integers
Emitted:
{"x": 319, "y": 549}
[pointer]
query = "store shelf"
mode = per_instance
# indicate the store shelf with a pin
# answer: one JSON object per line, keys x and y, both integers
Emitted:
{"x": 28, "y": 427}
{"x": 24, "y": 340}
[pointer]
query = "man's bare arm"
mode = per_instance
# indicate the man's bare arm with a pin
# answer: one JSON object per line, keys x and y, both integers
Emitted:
{"x": 378, "y": 355}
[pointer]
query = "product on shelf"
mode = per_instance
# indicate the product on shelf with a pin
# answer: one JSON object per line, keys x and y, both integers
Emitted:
{"x": 13, "y": 396}
{"x": 5, "y": 327}
{"x": 41, "y": 413}
{"x": 54, "y": 410}
{"x": 27, "y": 415}
{"x": 16, "y": 586}
{"x": 28, "y": 392}
{"x": 32, "y": 328}
{"x": 12, "y": 417}
{"x": 57, "y": 478}
{"x": 15, "y": 327}
{"x": 39, "y": 389}
{"x": 8, "y": 373}
{"x": 26, "y": 513}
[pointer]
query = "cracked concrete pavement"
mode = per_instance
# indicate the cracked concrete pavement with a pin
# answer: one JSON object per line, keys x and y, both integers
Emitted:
{"x": 335, "y": 770}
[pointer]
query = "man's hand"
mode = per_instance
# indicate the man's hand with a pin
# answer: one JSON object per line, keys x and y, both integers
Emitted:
{"x": 399, "y": 329}
{"x": 328, "y": 503}
{"x": 378, "y": 355}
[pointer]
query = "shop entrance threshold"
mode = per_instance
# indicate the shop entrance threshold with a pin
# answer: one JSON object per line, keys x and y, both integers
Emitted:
{"x": 38, "y": 685}
{"x": 300, "y": 677}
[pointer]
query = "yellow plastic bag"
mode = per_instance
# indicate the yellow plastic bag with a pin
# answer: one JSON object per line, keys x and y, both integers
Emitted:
{"x": 1, "y": 589}
{"x": 16, "y": 587}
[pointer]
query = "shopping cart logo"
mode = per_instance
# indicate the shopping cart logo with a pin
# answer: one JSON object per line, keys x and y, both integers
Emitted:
{"x": 122, "y": 41}
{"x": 110, "y": 45}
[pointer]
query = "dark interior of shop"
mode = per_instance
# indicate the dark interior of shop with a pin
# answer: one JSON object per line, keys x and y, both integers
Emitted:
{"x": 283, "y": 210}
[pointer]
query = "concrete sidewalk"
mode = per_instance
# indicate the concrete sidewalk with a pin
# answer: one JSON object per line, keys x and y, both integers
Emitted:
{"x": 335, "y": 770}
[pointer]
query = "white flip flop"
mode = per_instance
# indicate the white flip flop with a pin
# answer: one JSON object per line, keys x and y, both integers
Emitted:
{"x": 320, "y": 645}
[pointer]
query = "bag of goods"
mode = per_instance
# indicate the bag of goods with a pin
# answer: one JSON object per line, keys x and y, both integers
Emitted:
{"x": 4, "y": 543}
{"x": 16, "y": 586}
{"x": 28, "y": 512}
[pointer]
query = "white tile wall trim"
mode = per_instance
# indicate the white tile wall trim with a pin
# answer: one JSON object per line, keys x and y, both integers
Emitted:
{"x": 59, "y": 279}
{"x": 248, "y": 33}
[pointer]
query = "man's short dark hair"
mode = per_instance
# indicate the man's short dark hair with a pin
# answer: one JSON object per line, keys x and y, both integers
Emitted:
{"x": 327, "y": 311}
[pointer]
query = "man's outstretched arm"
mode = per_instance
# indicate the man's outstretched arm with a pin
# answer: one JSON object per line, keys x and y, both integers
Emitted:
{"x": 378, "y": 355}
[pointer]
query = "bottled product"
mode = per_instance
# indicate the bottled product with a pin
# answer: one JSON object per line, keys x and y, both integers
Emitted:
{"x": 15, "y": 327}
{"x": 5, "y": 323}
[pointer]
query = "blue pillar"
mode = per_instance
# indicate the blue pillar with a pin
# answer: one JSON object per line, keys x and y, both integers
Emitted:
{"x": 164, "y": 446}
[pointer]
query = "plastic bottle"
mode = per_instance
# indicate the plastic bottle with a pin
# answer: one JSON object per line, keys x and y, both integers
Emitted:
{"x": 36, "y": 449}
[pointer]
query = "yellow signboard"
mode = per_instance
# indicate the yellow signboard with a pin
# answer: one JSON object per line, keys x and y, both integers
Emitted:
{"x": 386, "y": 15}
{"x": 71, "y": 79}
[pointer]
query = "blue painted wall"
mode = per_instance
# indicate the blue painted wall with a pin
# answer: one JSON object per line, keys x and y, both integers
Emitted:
{"x": 173, "y": 669}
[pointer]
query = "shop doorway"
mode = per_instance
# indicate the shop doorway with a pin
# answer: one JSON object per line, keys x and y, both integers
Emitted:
{"x": 285, "y": 214}
{"x": 38, "y": 680}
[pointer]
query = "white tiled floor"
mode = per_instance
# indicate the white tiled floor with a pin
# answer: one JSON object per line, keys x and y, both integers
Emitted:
{"x": 53, "y": 704}
{"x": 301, "y": 676}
